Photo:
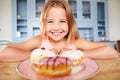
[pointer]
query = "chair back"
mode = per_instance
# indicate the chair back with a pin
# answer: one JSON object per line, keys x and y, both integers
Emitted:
{"x": 117, "y": 45}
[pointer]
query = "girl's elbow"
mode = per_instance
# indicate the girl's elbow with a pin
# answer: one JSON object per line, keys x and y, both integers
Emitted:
{"x": 114, "y": 53}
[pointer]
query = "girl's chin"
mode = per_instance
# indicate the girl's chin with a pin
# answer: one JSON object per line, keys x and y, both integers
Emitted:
{"x": 56, "y": 38}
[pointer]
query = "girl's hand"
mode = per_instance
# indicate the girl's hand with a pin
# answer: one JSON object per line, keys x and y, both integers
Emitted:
{"x": 63, "y": 50}
{"x": 54, "y": 50}
{"x": 58, "y": 51}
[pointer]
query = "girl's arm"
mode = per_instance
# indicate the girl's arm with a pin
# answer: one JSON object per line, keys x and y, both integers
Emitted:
{"x": 19, "y": 51}
{"x": 97, "y": 50}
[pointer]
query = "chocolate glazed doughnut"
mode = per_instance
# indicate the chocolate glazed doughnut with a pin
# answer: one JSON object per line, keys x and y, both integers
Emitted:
{"x": 54, "y": 67}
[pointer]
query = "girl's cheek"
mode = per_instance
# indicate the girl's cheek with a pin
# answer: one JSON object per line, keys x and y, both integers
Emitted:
{"x": 49, "y": 27}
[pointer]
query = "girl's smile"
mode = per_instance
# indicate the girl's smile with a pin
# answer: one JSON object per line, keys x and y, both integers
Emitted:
{"x": 56, "y": 23}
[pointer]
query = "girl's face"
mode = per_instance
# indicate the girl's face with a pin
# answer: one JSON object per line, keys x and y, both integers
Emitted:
{"x": 56, "y": 23}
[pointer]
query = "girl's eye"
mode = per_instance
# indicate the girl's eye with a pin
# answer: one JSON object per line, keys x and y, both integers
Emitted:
{"x": 49, "y": 21}
{"x": 63, "y": 21}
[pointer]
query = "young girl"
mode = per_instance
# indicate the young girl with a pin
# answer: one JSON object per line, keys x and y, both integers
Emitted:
{"x": 59, "y": 33}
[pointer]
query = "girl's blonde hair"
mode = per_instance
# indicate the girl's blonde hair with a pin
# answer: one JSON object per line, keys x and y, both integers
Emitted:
{"x": 73, "y": 32}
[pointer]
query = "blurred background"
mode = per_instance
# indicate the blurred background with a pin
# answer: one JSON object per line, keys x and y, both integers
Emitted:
{"x": 97, "y": 20}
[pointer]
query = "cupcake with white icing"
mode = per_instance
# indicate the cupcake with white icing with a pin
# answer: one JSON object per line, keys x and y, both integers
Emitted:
{"x": 38, "y": 54}
{"x": 76, "y": 56}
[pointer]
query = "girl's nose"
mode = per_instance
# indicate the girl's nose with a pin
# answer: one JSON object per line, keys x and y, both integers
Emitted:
{"x": 56, "y": 26}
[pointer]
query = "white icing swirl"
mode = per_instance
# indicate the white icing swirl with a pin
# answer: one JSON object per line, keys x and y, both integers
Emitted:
{"x": 37, "y": 54}
{"x": 73, "y": 54}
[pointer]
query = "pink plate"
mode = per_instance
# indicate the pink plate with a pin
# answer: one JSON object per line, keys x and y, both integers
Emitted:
{"x": 89, "y": 70}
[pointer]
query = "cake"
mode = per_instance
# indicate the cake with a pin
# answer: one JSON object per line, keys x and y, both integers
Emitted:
{"x": 47, "y": 63}
{"x": 54, "y": 66}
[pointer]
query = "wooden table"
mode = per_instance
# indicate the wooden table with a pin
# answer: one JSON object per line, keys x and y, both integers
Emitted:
{"x": 109, "y": 70}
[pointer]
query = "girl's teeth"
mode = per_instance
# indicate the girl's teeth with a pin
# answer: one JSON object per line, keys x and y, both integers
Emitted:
{"x": 56, "y": 33}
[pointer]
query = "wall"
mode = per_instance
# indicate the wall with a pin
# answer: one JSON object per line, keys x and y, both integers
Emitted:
{"x": 114, "y": 19}
{"x": 5, "y": 20}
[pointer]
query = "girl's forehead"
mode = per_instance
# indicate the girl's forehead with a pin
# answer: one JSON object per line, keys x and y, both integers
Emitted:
{"x": 56, "y": 12}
